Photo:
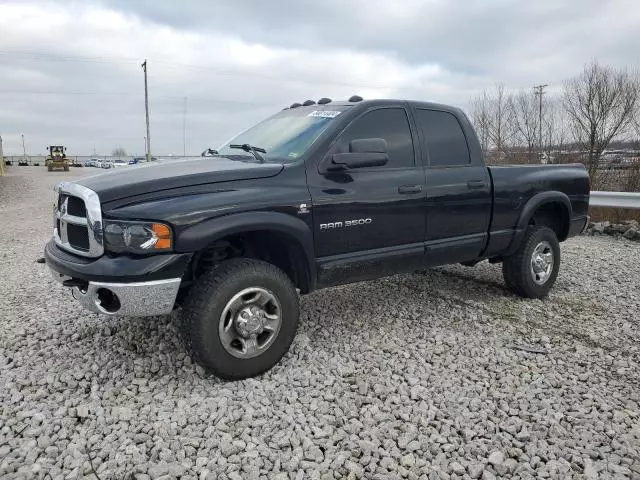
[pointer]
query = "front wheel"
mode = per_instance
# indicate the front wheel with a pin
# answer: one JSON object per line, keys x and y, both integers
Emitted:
{"x": 240, "y": 318}
{"x": 532, "y": 270}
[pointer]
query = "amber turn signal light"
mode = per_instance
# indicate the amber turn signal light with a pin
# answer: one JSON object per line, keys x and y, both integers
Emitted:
{"x": 163, "y": 234}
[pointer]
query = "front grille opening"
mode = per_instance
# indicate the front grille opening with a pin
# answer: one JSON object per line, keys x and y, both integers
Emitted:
{"x": 74, "y": 204}
{"x": 78, "y": 236}
{"x": 76, "y": 207}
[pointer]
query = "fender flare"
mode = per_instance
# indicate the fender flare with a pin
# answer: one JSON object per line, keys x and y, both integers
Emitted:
{"x": 201, "y": 235}
{"x": 529, "y": 210}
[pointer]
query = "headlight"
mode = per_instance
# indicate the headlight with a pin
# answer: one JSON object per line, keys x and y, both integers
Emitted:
{"x": 137, "y": 237}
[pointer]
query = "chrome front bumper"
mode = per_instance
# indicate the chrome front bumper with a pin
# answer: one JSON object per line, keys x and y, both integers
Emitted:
{"x": 138, "y": 299}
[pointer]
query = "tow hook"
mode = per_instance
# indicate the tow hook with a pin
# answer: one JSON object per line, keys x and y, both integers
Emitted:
{"x": 74, "y": 282}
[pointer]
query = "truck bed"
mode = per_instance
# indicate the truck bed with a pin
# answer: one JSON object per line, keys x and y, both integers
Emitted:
{"x": 515, "y": 185}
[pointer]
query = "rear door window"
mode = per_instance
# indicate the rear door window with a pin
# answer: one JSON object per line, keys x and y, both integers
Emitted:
{"x": 445, "y": 141}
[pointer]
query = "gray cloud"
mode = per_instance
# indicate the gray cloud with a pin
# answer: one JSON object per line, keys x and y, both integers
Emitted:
{"x": 70, "y": 73}
{"x": 471, "y": 36}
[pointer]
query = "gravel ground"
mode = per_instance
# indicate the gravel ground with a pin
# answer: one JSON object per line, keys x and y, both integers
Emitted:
{"x": 415, "y": 376}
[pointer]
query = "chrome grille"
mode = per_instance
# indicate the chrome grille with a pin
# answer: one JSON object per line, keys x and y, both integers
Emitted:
{"x": 77, "y": 220}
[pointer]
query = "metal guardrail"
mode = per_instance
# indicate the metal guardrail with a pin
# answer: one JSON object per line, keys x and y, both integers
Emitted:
{"x": 615, "y": 199}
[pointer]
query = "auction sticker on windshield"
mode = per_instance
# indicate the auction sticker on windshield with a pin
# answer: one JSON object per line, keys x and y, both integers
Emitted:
{"x": 324, "y": 113}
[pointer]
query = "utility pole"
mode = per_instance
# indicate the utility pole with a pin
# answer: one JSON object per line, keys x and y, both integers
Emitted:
{"x": 539, "y": 91}
{"x": 1, "y": 159}
{"x": 184, "y": 128}
{"x": 146, "y": 108}
{"x": 24, "y": 149}
{"x": 145, "y": 147}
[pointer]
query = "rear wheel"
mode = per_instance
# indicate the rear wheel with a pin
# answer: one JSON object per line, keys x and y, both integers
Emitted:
{"x": 240, "y": 318}
{"x": 532, "y": 270}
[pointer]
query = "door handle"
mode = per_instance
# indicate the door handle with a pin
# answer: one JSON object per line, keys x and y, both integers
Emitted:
{"x": 476, "y": 184}
{"x": 410, "y": 189}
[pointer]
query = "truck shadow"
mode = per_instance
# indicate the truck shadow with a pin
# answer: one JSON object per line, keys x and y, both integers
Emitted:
{"x": 448, "y": 298}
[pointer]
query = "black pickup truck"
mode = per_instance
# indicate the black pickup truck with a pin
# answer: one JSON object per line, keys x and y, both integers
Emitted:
{"x": 317, "y": 195}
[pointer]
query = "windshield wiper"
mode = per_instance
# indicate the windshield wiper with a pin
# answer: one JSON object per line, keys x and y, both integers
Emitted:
{"x": 256, "y": 151}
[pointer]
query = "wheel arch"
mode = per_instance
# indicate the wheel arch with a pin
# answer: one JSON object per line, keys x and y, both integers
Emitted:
{"x": 551, "y": 209}
{"x": 268, "y": 232}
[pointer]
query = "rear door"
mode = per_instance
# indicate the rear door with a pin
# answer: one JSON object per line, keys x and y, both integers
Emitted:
{"x": 370, "y": 221}
{"x": 458, "y": 205}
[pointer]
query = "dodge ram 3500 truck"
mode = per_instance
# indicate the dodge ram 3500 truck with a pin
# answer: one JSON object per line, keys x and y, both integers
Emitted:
{"x": 317, "y": 195}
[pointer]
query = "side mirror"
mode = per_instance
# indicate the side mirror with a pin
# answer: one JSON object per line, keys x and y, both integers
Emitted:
{"x": 363, "y": 152}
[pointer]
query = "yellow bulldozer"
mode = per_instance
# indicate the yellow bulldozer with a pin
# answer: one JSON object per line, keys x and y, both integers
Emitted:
{"x": 57, "y": 158}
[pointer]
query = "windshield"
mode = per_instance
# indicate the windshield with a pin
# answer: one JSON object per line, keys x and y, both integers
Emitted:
{"x": 286, "y": 136}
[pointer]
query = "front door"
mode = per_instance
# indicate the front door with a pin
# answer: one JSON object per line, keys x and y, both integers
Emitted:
{"x": 370, "y": 221}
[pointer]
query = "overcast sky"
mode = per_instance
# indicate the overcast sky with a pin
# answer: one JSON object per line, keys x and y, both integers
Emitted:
{"x": 70, "y": 71}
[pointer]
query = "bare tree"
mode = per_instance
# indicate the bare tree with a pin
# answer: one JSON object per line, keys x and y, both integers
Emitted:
{"x": 527, "y": 122}
{"x": 555, "y": 132}
{"x": 119, "y": 152}
{"x": 480, "y": 119}
{"x": 600, "y": 104}
{"x": 633, "y": 176}
{"x": 502, "y": 125}
{"x": 493, "y": 116}
{"x": 636, "y": 116}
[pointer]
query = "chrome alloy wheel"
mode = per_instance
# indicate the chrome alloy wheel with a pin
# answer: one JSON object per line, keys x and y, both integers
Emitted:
{"x": 542, "y": 262}
{"x": 250, "y": 322}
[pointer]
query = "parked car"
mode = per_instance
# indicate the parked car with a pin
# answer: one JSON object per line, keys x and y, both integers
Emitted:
{"x": 136, "y": 160}
{"x": 92, "y": 162}
{"x": 348, "y": 191}
{"x": 105, "y": 164}
{"x": 119, "y": 164}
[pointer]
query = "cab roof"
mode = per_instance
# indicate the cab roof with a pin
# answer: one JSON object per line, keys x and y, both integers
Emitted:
{"x": 363, "y": 104}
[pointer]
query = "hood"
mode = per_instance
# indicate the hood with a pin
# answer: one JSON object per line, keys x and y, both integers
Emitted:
{"x": 164, "y": 175}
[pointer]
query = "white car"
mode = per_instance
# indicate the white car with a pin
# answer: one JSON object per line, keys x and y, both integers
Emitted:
{"x": 98, "y": 164}
{"x": 119, "y": 163}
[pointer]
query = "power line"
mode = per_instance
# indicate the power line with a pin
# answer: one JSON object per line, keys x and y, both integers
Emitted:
{"x": 42, "y": 92}
{"x": 77, "y": 58}
{"x": 199, "y": 68}
{"x": 128, "y": 94}
{"x": 241, "y": 73}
